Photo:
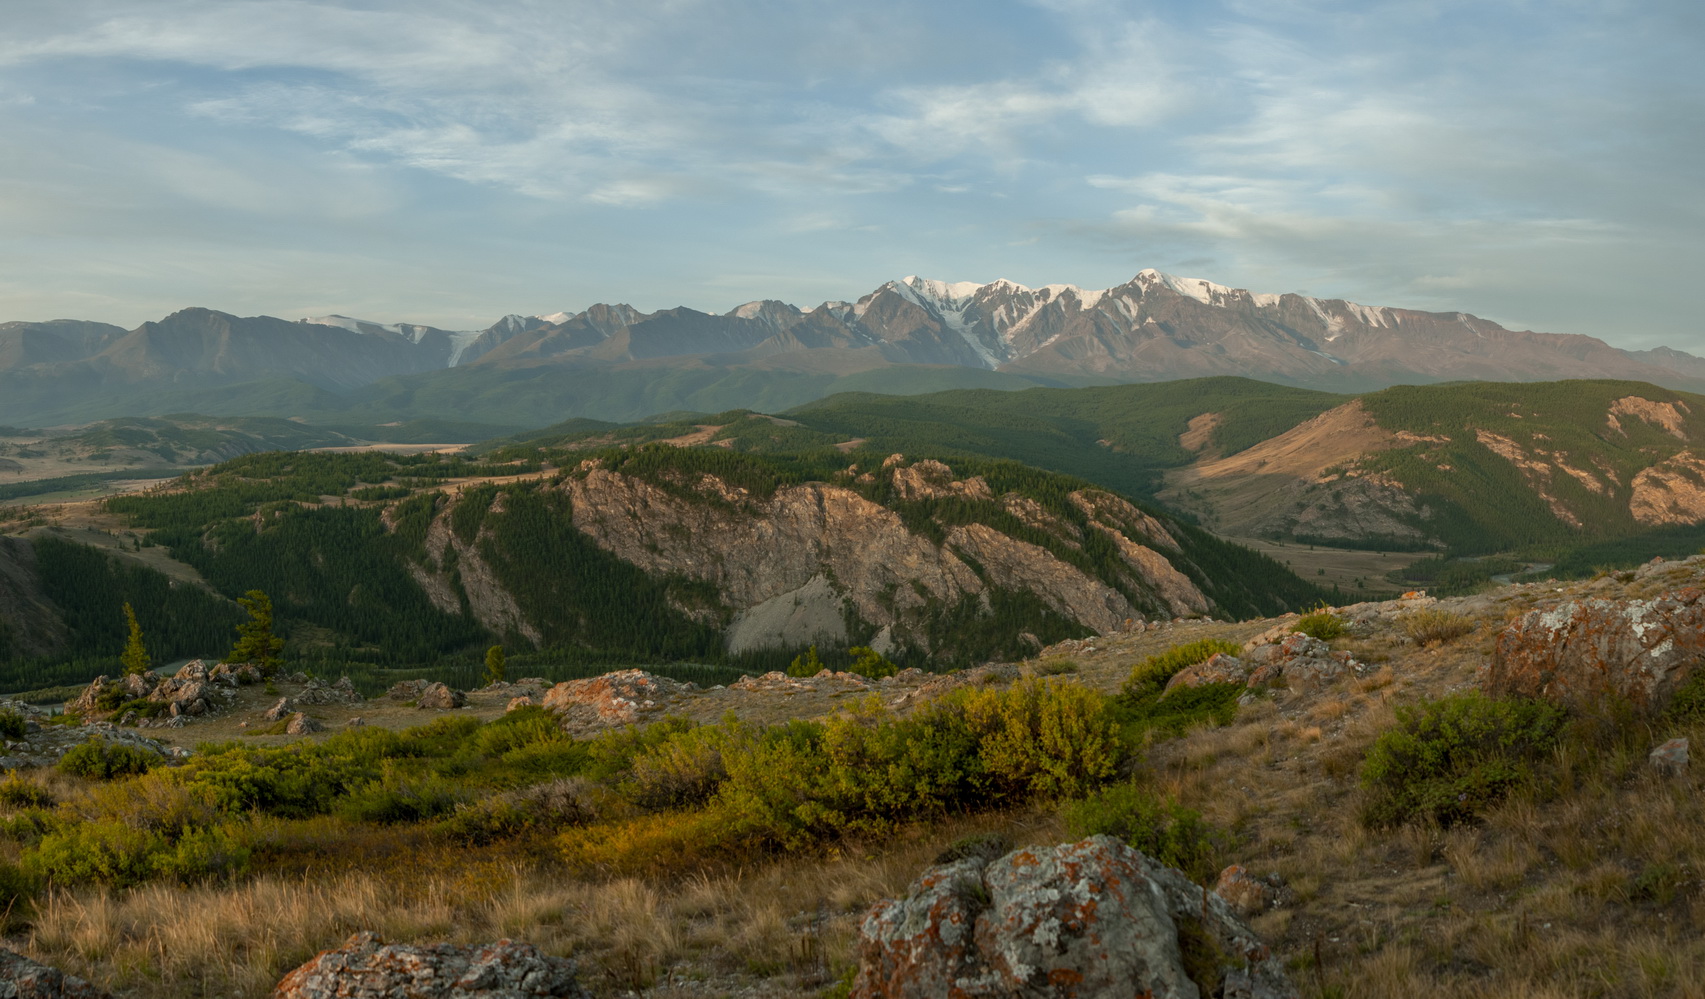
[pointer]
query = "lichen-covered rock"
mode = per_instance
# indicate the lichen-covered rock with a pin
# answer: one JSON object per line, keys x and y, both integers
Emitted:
{"x": 22, "y": 978}
{"x": 524, "y": 701}
{"x": 341, "y": 692}
{"x": 1218, "y": 668}
{"x": 301, "y": 724}
{"x": 1248, "y": 894}
{"x": 406, "y": 690}
{"x": 620, "y": 698}
{"x": 1671, "y": 757}
{"x": 441, "y": 697}
{"x": 367, "y": 968}
{"x": 1583, "y": 650}
{"x": 279, "y": 711}
{"x": 1088, "y": 920}
{"x": 1295, "y": 660}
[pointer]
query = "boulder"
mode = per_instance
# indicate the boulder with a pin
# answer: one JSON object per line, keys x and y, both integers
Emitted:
{"x": 1248, "y": 894}
{"x": 1671, "y": 757}
{"x": 1296, "y": 660}
{"x": 441, "y": 697}
{"x": 341, "y": 692}
{"x": 1088, "y": 920}
{"x": 406, "y": 690}
{"x": 367, "y": 968}
{"x": 1218, "y": 668}
{"x": 620, "y": 698}
{"x": 524, "y": 701}
{"x": 279, "y": 711}
{"x": 301, "y": 724}
{"x": 1584, "y": 650}
{"x": 22, "y": 978}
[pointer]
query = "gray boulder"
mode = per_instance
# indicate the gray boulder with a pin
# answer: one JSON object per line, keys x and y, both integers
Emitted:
{"x": 1088, "y": 920}
{"x": 22, "y": 978}
{"x": 367, "y": 968}
{"x": 1582, "y": 651}
{"x": 441, "y": 697}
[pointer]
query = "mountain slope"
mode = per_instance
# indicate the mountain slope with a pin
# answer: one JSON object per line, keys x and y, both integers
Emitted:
{"x": 665, "y": 553}
{"x": 614, "y": 361}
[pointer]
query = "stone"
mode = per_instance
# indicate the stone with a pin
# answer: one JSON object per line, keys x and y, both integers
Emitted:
{"x": 301, "y": 724}
{"x": 1093, "y": 919}
{"x": 356, "y": 722}
{"x": 1249, "y": 895}
{"x": 1671, "y": 757}
{"x": 341, "y": 692}
{"x": 1582, "y": 651}
{"x": 406, "y": 690}
{"x": 278, "y": 711}
{"x": 1218, "y": 668}
{"x": 367, "y": 968}
{"x": 22, "y": 978}
{"x": 440, "y": 697}
{"x": 620, "y": 698}
{"x": 524, "y": 701}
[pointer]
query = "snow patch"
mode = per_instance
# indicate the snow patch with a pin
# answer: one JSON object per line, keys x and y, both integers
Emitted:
{"x": 557, "y": 318}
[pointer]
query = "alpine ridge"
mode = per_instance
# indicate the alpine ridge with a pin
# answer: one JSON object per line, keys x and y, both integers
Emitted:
{"x": 608, "y": 361}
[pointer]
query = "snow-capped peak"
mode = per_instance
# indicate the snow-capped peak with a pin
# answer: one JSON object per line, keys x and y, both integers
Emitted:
{"x": 557, "y": 317}
{"x": 364, "y": 325}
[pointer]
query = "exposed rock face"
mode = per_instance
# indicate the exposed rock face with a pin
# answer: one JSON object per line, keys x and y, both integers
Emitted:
{"x": 341, "y": 692}
{"x": 22, "y": 978}
{"x": 620, "y": 698}
{"x": 195, "y": 689}
{"x": 301, "y": 724}
{"x": 1669, "y": 492}
{"x": 440, "y": 697}
{"x": 1088, "y": 920}
{"x": 366, "y": 968}
{"x": 1583, "y": 650}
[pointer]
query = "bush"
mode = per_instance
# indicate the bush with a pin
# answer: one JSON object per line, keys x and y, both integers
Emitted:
{"x": 393, "y": 800}
{"x": 290, "y": 783}
{"x": 1149, "y": 677}
{"x": 1041, "y": 738}
{"x": 101, "y": 760}
{"x": 1448, "y": 760}
{"x": 1435, "y": 626}
{"x": 807, "y": 663}
{"x": 1176, "y": 711}
{"x": 684, "y": 772}
{"x": 1687, "y": 705}
{"x": 867, "y": 662}
{"x": 107, "y": 852}
{"x": 1322, "y": 624}
{"x": 18, "y": 791}
{"x": 1160, "y": 827}
{"x": 12, "y": 724}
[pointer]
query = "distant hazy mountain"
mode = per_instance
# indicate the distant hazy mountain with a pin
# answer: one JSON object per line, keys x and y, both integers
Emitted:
{"x": 613, "y": 361}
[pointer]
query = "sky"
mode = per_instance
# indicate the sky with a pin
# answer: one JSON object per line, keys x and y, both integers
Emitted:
{"x": 449, "y": 162}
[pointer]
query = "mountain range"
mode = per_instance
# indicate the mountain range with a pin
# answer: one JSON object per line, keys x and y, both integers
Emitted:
{"x": 618, "y": 363}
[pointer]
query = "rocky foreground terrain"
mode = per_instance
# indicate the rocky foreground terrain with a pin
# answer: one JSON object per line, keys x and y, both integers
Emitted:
{"x": 1587, "y": 883}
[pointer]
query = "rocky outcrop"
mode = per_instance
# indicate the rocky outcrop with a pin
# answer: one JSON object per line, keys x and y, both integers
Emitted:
{"x": 1088, "y": 920}
{"x": 441, "y": 697}
{"x": 1583, "y": 650}
{"x": 194, "y": 690}
{"x": 22, "y": 978}
{"x": 1248, "y": 894}
{"x": 367, "y": 968}
{"x": 1671, "y": 757}
{"x": 624, "y": 697}
{"x": 1297, "y": 660}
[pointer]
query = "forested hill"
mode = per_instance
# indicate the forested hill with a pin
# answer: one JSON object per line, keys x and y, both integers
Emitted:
{"x": 1120, "y": 436}
{"x": 660, "y": 554}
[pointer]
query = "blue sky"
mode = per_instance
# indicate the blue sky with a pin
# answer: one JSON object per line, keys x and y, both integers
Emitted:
{"x": 448, "y": 162}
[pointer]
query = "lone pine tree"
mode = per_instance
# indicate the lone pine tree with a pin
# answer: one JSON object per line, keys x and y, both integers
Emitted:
{"x": 135, "y": 656}
{"x": 255, "y": 641}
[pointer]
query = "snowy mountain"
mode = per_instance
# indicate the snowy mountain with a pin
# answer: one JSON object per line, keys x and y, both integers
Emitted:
{"x": 1154, "y": 327}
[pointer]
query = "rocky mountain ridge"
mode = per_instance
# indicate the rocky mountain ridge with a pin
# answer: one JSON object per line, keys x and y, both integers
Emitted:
{"x": 1152, "y": 328}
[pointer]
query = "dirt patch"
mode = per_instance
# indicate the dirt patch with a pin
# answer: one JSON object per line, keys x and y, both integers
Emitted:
{"x": 1200, "y": 433}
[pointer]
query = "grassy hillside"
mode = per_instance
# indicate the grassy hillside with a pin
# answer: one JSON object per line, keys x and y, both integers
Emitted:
{"x": 1118, "y": 436}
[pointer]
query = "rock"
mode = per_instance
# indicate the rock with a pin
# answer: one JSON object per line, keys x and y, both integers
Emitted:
{"x": 22, "y": 978}
{"x": 620, "y": 698}
{"x": 1219, "y": 668}
{"x": 366, "y": 968}
{"x": 1090, "y": 920}
{"x": 341, "y": 692}
{"x": 1671, "y": 757}
{"x": 524, "y": 701}
{"x": 1584, "y": 650}
{"x": 406, "y": 690}
{"x": 301, "y": 724}
{"x": 356, "y": 722}
{"x": 441, "y": 697}
{"x": 278, "y": 711}
{"x": 1250, "y": 895}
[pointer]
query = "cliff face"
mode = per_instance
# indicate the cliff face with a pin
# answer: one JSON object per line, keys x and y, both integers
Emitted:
{"x": 824, "y": 561}
{"x": 29, "y": 623}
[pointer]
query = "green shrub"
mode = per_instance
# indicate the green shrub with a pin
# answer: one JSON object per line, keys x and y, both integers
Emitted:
{"x": 17, "y": 887}
{"x": 521, "y": 727}
{"x": 291, "y": 782}
{"x": 18, "y": 791}
{"x": 1322, "y": 624}
{"x": 1687, "y": 705}
{"x": 393, "y": 800}
{"x": 1176, "y": 711}
{"x": 1162, "y": 828}
{"x": 213, "y": 852}
{"x": 1042, "y": 738}
{"x": 29, "y": 825}
{"x": 101, "y": 760}
{"x": 1450, "y": 759}
{"x": 867, "y": 662}
{"x": 807, "y": 663}
{"x": 683, "y": 772}
{"x": 1435, "y": 626}
{"x": 538, "y": 761}
{"x": 1148, "y": 678}
{"x": 107, "y": 852}
{"x": 12, "y": 725}
{"x": 551, "y": 805}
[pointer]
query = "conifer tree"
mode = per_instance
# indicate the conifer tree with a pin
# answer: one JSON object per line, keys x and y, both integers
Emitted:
{"x": 807, "y": 663}
{"x": 135, "y": 656}
{"x": 255, "y": 640}
{"x": 494, "y": 664}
